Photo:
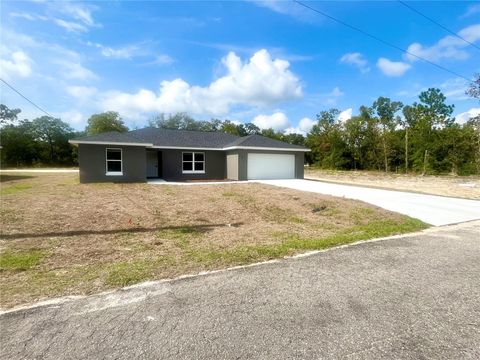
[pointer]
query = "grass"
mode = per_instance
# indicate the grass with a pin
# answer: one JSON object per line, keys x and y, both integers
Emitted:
{"x": 57, "y": 243}
{"x": 14, "y": 189}
{"x": 20, "y": 261}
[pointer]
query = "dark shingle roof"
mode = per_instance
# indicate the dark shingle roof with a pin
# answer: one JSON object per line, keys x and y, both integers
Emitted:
{"x": 184, "y": 138}
{"x": 111, "y": 136}
{"x": 262, "y": 141}
{"x": 187, "y": 139}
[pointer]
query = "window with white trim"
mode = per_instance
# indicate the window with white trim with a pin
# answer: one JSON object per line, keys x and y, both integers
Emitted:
{"x": 193, "y": 163}
{"x": 114, "y": 164}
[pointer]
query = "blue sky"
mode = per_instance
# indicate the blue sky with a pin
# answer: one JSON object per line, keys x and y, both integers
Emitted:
{"x": 274, "y": 63}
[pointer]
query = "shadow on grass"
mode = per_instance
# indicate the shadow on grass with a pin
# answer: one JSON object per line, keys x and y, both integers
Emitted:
{"x": 6, "y": 178}
{"x": 199, "y": 228}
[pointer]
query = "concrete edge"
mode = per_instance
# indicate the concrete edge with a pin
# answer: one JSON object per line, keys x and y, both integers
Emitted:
{"x": 152, "y": 283}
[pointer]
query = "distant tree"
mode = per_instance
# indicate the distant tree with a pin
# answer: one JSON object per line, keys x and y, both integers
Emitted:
{"x": 177, "y": 121}
{"x": 104, "y": 122}
{"x": 54, "y": 133}
{"x": 270, "y": 133}
{"x": 230, "y": 127}
{"x": 18, "y": 145}
{"x": 8, "y": 116}
{"x": 295, "y": 139}
{"x": 250, "y": 129}
{"x": 326, "y": 139}
{"x": 386, "y": 110}
{"x": 474, "y": 88}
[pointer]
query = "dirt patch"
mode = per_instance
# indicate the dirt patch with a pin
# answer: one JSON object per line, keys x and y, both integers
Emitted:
{"x": 467, "y": 187}
{"x": 60, "y": 237}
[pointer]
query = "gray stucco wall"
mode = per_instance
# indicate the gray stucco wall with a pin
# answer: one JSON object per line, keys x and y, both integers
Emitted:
{"x": 215, "y": 165}
{"x": 92, "y": 158}
{"x": 243, "y": 161}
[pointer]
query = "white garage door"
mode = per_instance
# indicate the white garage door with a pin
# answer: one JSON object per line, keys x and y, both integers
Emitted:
{"x": 270, "y": 166}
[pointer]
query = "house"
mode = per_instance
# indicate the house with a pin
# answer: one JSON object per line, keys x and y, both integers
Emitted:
{"x": 180, "y": 155}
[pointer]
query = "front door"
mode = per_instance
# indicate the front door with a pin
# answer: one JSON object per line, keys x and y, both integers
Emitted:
{"x": 152, "y": 164}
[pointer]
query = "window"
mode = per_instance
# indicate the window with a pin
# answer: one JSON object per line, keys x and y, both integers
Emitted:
{"x": 193, "y": 163}
{"x": 114, "y": 162}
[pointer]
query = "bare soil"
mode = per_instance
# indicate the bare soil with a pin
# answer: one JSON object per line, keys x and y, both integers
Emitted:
{"x": 60, "y": 237}
{"x": 467, "y": 187}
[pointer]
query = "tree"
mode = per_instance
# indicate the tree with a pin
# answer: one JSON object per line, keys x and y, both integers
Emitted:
{"x": 104, "y": 122}
{"x": 54, "y": 133}
{"x": 8, "y": 116}
{"x": 474, "y": 88}
{"x": 386, "y": 110}
{"x": 327, "y": 141}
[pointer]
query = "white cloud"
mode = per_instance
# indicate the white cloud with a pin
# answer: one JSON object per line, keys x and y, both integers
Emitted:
{"x": 462, "y": 118}
{"x": 303, "y": 128}
{"x": 449, "y": 47}
{"x": 454, "y": 89}
{"x": 261, "y": 81}
{"x": 14, "y": 64}
{"x": 162, "y": 59}
{"x": 277, "y": 121}
{"x": 76, "y": 71}
{"x": 27, "y": 16}
{"x": 70, "y": 25}
{"x": 357, "y": 60}
{"x": 345, "y": 115}
{"x": 79, "y": 16}
{"x": 80, "y": 12}
{"x": 392, "y": 68}
{"x": 123, "y": 53}
{"x": 82, "y": 93}
{"x": 287, "y": 8}
{"x": 471, "y": 10}
{"x": 73, "y": 117}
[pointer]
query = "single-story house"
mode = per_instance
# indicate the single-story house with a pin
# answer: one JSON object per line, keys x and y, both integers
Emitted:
{"x": 180, "y": 155}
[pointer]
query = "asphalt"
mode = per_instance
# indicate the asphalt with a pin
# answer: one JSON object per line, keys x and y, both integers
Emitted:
{"x": 411, "y": 297}
{"x": 432, "y": 209}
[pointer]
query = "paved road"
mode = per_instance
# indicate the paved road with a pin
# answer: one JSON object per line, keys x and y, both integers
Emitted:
{"x": 435, "y": 210}
{"x": 415, "y": 297}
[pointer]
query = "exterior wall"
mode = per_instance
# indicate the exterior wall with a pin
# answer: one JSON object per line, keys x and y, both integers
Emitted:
{"x": 243, "y": 161}
{"x": 215, "y": 165}
{"x": 92, "y": 163}
{"x": 232, "y": 166}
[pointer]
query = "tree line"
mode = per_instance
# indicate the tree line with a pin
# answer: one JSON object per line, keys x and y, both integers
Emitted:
{"x": 422, "y": 137}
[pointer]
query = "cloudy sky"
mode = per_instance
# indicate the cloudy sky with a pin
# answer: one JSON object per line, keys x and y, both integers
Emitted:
{"x": 274, "y": 63}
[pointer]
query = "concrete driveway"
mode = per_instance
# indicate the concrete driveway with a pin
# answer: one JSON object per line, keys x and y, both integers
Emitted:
{"x": 410, "y": 297}
{"x": 435, "y": 210}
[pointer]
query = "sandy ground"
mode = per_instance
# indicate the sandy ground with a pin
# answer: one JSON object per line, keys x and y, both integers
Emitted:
{"x": 84, "y": 238}
{"x": 467, "y": 187}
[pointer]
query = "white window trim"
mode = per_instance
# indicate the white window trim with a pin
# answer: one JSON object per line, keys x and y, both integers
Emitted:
{"x": 193, "y": 163}
{"x": 113, "y": 173}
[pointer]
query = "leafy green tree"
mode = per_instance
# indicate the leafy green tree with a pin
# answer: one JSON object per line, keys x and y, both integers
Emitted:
{"x": 386, "y": 110}
{"x": 327, "y": 142}
{"x": 104, "y": 122}
{"x": 18, "y": 145}
{"x": 54, "y": 135}
{"x": 7, "y": 115}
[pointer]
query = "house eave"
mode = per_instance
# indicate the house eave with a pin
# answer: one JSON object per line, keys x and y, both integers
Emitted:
{"x": 151, "y": 146}
{"x": 77, "y": 142}
{"x": 263, "y": 148}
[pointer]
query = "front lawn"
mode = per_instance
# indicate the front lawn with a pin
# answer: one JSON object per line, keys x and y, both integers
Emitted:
{"x": 60, "y": 237}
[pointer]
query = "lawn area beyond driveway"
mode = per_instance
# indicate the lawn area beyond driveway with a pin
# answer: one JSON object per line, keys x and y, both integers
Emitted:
{"x": 467, "y": 187}
{"x": 60, "y": 237}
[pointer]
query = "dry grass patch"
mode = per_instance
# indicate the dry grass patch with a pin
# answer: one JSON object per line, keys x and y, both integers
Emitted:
{"x": 59, "y": 237}
{"x": 445, "y": 185}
